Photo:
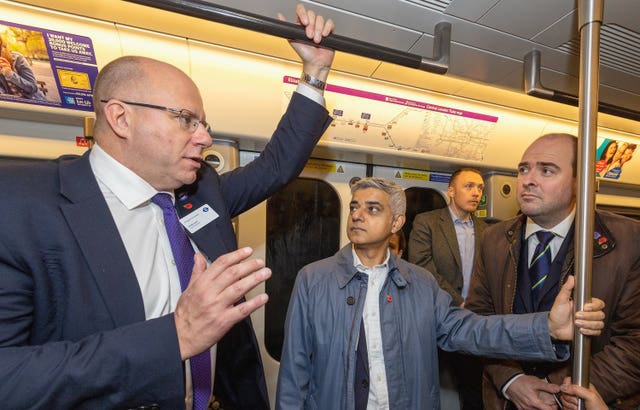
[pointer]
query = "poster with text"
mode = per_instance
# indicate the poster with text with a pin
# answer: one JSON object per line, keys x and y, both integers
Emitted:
{"x": 611, "y": 156}
{"x": 44, "y": 67}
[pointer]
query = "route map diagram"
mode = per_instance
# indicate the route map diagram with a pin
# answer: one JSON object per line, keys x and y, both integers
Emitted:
{"x": 404, "y": 125}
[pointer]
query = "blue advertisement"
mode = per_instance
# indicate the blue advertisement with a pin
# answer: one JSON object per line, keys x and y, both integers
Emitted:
{"x": 44, "y": 67}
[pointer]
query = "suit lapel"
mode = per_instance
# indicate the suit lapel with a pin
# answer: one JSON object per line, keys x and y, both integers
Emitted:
{"x": 96, "y": 234}
{"x": 519, "y": 263}
{"x": 449, "y": 232}
{"x": 523, "y": 293}
{"x": 216, "y": 237}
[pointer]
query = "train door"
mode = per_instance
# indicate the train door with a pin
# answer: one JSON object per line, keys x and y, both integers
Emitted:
{"x": 302, "y": 223}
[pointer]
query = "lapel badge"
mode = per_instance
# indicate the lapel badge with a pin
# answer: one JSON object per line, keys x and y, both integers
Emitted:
{"x": 599, "y": 238}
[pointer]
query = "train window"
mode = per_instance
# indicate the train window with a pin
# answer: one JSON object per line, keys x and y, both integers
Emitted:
{"x": 420, "y": 200}
{"x": 303, "y": 226}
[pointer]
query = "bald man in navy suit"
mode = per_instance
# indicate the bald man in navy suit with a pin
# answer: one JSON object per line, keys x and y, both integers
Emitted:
{"x": 92, "y": 314}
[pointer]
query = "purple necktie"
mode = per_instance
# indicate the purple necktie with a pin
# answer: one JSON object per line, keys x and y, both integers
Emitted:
{"x": 183, "y": 257}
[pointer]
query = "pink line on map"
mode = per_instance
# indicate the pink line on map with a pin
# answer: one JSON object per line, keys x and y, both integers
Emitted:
{"x": 400, "y": 101}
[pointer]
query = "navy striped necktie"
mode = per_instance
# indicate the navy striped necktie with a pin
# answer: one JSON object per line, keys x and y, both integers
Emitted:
{"x": 540, "y": 264}
{"x": 183, "y": 257}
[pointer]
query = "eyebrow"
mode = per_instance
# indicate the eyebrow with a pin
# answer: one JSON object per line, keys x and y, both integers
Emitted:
{"x": 373, "y": 203}
{"x": 540, "y": 164}
{"x": 366, "y": 203}
{"x": 548, "y": 164}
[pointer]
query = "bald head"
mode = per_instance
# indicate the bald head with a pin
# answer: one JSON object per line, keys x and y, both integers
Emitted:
{"x": 142, "y": 122}
{"x": 124, "y": 73}
{"x": 138, "y": 79}
{"x": 131, "y": 75}
{"x": 568, "y": 141}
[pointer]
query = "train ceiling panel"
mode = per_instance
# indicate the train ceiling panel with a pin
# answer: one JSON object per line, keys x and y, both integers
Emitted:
{"x": 490, "y": 38}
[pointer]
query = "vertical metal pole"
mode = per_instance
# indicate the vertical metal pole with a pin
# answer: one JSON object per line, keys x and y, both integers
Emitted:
{"x": 590, "y": 14}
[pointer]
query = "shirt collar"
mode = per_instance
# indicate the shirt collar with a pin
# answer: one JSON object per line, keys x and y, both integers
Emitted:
{"x": 561, "y": 230}
{"x": 357, "y": 263}
{"x": 130, "y": 189}
{"x": 457, "y": 220}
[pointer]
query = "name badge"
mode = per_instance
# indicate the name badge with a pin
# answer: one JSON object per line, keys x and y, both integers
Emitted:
{"x": 199, "y": 218}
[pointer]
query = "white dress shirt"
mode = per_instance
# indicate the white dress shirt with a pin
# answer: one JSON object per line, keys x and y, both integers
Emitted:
{"x": 378, "y": 391}
{"x": 559, "y": 231}
{"x": 141, "y": 226}
{"x": 466, "y": 236}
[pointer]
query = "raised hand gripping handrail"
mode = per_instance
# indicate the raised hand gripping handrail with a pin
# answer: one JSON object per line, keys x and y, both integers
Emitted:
{"x": 439, "y": 64}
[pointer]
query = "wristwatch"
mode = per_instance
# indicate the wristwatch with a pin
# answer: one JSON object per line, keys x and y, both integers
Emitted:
{"x": 312, "y": 81}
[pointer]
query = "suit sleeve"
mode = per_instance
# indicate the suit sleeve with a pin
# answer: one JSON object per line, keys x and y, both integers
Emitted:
{"x": 296, "y": 361}
{"x": 128, "y": 366}
{"x": 501, "y": 336}
{"x": 59, "y": 345}
{"x": 281, "y": 161}
{"x": 421, "y": 254}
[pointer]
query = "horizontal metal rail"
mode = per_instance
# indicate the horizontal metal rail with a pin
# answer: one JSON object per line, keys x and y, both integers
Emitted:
{"x": 439, "y": 64}
{"x": 533, "y": 86}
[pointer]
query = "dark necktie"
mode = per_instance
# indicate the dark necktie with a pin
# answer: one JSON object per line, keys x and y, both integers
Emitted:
{"x": 540, "y": 265}
{"x": 361, "y": 388}
{"x": 183, "y": 256}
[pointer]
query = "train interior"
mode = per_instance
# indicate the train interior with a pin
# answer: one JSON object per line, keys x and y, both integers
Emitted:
{"x": 403, "y": 123}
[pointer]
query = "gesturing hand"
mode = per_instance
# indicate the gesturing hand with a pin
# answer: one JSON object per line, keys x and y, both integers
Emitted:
{"x": 206, "y": 310}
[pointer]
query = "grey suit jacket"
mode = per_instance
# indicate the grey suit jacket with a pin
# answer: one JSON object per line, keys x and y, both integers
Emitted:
{"x": 433, "y": 244}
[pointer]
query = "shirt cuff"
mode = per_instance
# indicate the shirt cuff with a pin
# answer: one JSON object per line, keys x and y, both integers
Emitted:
{"x": 507, "y": 384}
{"x": 310, "y": 92}
{"x": 562, "y": 349}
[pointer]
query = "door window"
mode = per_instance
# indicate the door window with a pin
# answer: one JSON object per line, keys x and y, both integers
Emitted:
{"x": 420, "y": 200}
{"x": 303, "y": 226}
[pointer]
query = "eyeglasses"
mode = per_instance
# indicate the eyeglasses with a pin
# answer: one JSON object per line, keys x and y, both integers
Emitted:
{"x": 186, "y": 118}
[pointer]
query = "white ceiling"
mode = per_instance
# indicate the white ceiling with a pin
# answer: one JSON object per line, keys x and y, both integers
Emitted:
{"x": 491, "y": 37}
{"x": 489, "y": 41}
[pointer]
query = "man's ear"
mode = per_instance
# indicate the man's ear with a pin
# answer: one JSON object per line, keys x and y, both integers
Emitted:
{"x": 118, "y": 116}
{"x": 398, "y": 222}
{"x": 451, "y": 192}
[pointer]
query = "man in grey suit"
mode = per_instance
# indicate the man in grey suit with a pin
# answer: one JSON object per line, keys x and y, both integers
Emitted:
{"x": 444, "y": 241}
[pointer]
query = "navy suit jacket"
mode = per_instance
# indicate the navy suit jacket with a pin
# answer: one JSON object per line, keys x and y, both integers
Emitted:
{"x": 73, "y": 332}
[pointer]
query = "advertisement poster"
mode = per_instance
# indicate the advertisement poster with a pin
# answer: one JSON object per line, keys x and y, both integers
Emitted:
{"x": 44, "y": 67}
{"x": 611, "y": 157}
